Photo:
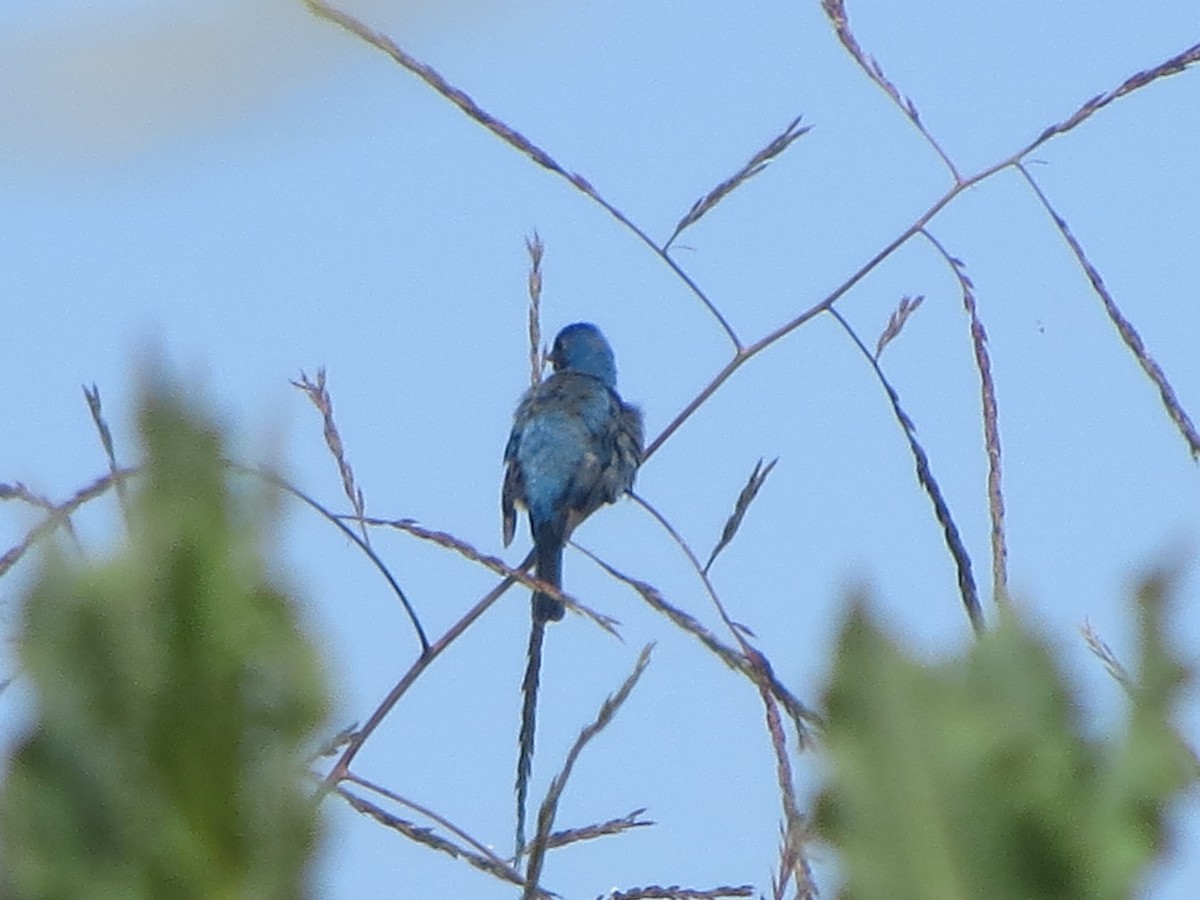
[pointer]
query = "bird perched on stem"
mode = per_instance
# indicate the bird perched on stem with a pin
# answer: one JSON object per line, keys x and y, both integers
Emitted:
{"x": 575, "y": 445}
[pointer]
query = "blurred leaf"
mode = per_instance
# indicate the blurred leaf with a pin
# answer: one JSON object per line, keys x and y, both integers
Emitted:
{"x": 974, "y": 778}
{"x": 175, "y": 696}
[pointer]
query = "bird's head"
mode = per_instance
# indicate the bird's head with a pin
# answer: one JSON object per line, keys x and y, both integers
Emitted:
{"x": 582, "y": 348}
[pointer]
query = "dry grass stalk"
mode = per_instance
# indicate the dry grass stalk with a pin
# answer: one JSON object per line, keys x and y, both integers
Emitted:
{"x": 318, "y": 393}
{"x": 954, "y": 543}
{"x": 757, "y": 163}
{"x": 549, "y": 807}
{"x": 1124, "y": 327}
{"x": 744, "y": 661}
{"x": 449, "y": 826}
{"x": 429, "y": 838}
{"x": 803, "y": 718}
{"x": 793, "y": 859}
{"x": 25, "y": 494}
{"x": 835, "y": 11}
{"x": 793, "y": 864}
{"x": 1172, "y": 66}
{"x": 908, "y": 306}
{"x": 745, "y": 498}
{"x": 1105, "y": 654}
{"x": 60, "y": 514}
{"x": 510, "y": 136}
{"x": 92, "y": 395}
{"x": 536, "y": 250}
{"x": 991, "y": 422}
{"x": 600, "y": 829}
{"x": 675, "y": 892}
{"x": 495, "y": 564}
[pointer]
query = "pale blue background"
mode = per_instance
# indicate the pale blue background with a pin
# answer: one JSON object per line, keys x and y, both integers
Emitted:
{"x": 246, "y": 192}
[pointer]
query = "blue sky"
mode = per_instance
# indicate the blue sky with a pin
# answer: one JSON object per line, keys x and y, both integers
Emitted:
{"x": 246, "y": 192}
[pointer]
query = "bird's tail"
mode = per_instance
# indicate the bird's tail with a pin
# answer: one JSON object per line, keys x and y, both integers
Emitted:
{"x": 529, "y": 691}
{"x": 549, "y": 569}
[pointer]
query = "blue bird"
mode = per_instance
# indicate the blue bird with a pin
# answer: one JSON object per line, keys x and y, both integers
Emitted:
{"x": 575, "y": 445}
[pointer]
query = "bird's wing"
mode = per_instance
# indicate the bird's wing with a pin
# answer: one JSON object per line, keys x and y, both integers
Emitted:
{"x": 513, "y": 490}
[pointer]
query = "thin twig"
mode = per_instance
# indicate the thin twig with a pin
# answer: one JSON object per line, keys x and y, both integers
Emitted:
{"x": 342, "y": 767}
{"x": 286, "y": 486}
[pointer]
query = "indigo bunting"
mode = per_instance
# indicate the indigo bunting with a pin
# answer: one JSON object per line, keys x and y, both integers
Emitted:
{"x": 575, "y": 445}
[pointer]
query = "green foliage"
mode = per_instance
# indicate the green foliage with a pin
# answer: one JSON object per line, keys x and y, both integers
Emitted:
{"x": 175, "y": 695}
{"x": 973, "y": 779}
